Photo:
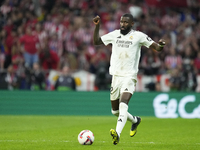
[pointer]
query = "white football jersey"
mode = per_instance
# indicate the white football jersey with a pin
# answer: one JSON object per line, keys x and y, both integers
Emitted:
{"x": 126, "y": 51}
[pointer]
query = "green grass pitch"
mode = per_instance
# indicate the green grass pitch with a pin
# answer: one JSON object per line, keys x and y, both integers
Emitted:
{"x": 60, "y": 133}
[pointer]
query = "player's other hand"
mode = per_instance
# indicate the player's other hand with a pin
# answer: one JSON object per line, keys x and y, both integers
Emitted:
{"x": 96, "y": 20}
{"x": 161, "y": 42}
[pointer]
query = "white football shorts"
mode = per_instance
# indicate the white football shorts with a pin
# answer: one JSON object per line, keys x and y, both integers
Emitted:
{"x": 121, "y": 84}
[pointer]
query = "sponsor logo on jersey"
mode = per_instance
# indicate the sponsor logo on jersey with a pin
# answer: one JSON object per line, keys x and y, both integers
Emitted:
{"x": 119, "y": 36}
{"x": 131, "y": 37}
{"x": 123, "y": 43}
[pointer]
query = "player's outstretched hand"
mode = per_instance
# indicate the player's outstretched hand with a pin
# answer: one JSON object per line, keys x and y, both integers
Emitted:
{"x": 161, "y": 42}
{"x": 96, "y": 20}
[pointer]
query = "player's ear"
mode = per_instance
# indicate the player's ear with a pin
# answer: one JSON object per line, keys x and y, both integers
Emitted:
{"x": 132, "y": 24}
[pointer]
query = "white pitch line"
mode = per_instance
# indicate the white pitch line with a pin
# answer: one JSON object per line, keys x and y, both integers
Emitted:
{"x": 35, "y": 141}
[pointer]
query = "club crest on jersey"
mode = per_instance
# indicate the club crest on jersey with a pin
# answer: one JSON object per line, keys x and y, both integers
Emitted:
{"x": 131, "y": 37}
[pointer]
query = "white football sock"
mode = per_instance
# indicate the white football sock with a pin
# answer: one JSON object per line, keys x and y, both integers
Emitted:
{"x": 123, "y": 113}
{"x": 131, "y": 118}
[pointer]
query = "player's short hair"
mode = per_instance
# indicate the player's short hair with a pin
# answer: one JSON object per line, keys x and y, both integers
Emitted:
{"x": 129, "y": 16}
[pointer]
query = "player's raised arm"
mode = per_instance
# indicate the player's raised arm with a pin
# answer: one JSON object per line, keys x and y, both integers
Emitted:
{"x": 158, "y": 46}
{"x": 96, "y": 39}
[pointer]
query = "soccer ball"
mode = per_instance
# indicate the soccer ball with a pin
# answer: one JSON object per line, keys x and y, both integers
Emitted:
{"x": 86, "y": 137}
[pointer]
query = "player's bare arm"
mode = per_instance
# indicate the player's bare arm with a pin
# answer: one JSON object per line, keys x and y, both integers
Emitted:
{"x": 96, "y": 39}
{"x": 158, "y": 46}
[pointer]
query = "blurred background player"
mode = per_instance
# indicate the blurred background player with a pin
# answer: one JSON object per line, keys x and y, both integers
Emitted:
{"x": 65, "y": 81}
{"x": 126, "y": 48}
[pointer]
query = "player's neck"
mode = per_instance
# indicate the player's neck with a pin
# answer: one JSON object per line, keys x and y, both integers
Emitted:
{"x": 125, "y": 32}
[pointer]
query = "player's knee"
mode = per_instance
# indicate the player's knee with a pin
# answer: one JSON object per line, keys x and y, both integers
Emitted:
{"x": 115, "y": 112}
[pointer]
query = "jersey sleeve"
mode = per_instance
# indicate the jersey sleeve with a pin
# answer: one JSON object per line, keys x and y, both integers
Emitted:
{"x": 146, "y": 40}
{"x": 108, "y": 38}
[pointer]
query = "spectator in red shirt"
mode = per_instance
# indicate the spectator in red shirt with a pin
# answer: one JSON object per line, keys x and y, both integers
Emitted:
{"x": 29, "y": 42}
{"x": 31, "y": 19}
{"x": 10, "y": 40}
{"x": 56, "y": 44}
{"x": 9, "y": 26}
{"x": 17, "y": 57}
{"x": 48, "y": 58}
{"x": 40, "y": 33}
{"x": 173, "y": 59}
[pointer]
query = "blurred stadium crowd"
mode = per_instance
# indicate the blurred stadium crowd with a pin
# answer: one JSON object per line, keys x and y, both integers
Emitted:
{"x": 37, "y": 36}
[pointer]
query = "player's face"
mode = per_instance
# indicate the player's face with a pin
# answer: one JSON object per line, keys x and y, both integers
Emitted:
{"x": 125, "y": 25}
